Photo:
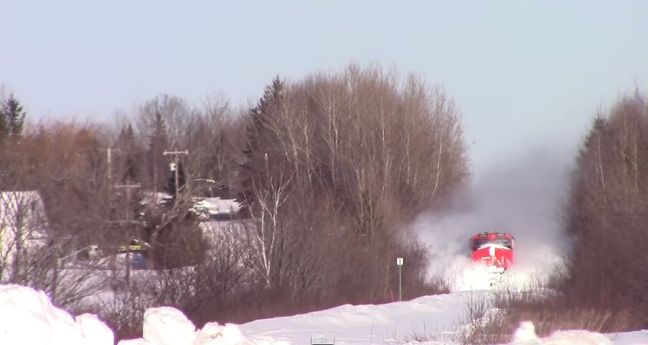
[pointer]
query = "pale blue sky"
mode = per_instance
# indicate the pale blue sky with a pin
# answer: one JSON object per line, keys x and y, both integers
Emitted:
{"x": 526, "y": 74}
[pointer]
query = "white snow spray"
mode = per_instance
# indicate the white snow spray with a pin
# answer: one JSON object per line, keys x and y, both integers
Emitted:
{"x": 522, "y": 196}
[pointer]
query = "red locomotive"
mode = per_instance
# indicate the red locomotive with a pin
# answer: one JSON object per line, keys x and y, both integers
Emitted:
{"x": 495, "y": 249}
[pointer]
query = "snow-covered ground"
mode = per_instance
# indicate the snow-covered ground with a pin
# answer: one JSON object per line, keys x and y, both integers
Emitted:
{"x": 437, "y": 317}
{"x": 28, "y": 317}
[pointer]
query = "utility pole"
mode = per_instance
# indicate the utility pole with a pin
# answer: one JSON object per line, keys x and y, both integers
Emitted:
{"x": 109, "y": 159}
{"x": 109, "y": 152}
{"x": 128, "y": 222}
{"x": 175, "y": 154}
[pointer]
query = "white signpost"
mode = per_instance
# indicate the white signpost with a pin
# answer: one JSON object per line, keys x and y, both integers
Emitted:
{"x": 399, "y": 263}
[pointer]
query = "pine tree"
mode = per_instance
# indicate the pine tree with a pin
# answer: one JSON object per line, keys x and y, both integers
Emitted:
{"x": 260, "y": 137}
{"x": 12, "y": 118}
{"x": 3, "y": 124}
{"x": 127, "y": 144}
{"x": 157, "y": 144}
{"x": 15, "y": 117}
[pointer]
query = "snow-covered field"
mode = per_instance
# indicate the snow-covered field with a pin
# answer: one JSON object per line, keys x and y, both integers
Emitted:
{"x": 28, "y": 317}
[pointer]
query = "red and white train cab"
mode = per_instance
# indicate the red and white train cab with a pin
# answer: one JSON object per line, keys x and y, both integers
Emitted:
{"x": 494, "y": 249}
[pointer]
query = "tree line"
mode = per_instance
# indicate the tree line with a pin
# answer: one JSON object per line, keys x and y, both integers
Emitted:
{"x": 329, "y": 170}
{"x": 606, "y": 216}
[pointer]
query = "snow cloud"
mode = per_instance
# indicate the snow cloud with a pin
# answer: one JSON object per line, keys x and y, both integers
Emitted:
{"x": 522, "y": 196}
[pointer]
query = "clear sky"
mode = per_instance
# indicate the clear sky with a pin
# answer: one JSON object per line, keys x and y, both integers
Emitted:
{"x": 525, "y": 73}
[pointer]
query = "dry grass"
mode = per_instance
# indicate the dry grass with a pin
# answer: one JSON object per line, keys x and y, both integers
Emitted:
{"x": 548, "y": 310}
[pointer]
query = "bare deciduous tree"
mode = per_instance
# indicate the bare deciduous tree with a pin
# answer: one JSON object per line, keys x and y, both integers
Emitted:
{"x": 374, "y": 152}
{"x": 608, "y": 211}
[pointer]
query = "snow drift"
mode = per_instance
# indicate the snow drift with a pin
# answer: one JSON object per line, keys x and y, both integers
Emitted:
{"x": 27, "y": 317}
{"x": 525, "y": 335}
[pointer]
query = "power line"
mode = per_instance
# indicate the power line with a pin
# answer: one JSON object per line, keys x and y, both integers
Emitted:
{"x": 128, "y": 222}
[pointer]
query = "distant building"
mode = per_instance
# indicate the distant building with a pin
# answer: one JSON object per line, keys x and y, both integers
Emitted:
{"x": 215, "y": 208}
{"x": 22, "y": 226}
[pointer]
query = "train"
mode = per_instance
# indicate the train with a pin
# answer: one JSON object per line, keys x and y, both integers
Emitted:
{"x": 493, "y": 249}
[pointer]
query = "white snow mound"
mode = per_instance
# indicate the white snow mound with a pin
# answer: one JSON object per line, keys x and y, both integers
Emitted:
{"x": 28, "y": 317}
{"x": 214, "y": 334}
{"x": 525, "y": 335}
{"x": 94, "y": 330}
{"x": 167, "y": 326}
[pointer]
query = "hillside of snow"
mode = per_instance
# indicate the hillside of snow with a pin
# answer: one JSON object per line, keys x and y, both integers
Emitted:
{"x": 28, "y": 317}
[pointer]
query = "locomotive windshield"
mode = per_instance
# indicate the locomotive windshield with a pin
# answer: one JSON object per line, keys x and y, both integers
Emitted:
{"x": 476, "y": 243}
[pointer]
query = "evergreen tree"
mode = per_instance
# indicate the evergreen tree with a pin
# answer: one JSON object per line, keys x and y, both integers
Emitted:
{"x": 157, "y": 144}
{"x": 260, "y": 137}
{"x": 15, "y": 117}
{"x": 12, "y": 118}
{"x": 130, "y": 153}
{"x": 3, "y": 124}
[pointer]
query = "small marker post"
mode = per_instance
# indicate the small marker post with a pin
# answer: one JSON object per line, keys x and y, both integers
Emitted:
{"x": 399, "y": 263}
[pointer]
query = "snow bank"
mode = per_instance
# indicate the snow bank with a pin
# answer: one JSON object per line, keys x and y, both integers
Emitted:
{"x": 525, "y": 335}
{"x": 168, "y": 326}
{"x": 28, "y": 317}
{"x": 94, "y": 330}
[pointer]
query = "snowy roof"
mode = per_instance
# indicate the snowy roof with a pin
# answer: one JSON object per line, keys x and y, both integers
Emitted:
{"x": 159, "y": 198}
{"x": 210, "y": 207}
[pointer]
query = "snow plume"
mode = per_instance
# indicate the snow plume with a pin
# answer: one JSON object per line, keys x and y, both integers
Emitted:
{"x": 521, "y": 196}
